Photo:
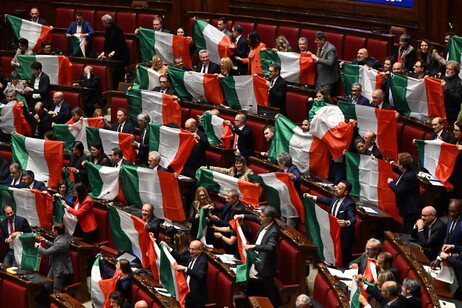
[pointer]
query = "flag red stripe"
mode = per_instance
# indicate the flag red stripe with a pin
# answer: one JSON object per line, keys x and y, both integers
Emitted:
{"x": 260, "y": 90}
{"x": 53, "y": 154}
{"x": 293, "y": 194}
{"x": 212, "y": 90}
{"x": 187, "y": 142}
{"x": 334, "y": 229}
{"x": 20, "y": 123}
{"x": 386, "y": 132}
{"x": 180, "y": 47}
{"x": 171, "y": 196}
{"x": 45, "y": 35}
{"x": 126, "y": 147}
{"x": 226, "y": 136}
{"x": 446, "y": 161}
{"x": 44, "y": 208}
{"x": 307, "y": 69}
{"x": 338, "y": 138}
{"x": 250, "y": 191}
{"x": 240, "y": 247}
{"x": 143, "y": 239}
{"x": 385, "y": 195}
{"x": 171, "y": 110}
{"x": 319, "y": 158}
{"x": 64, "y": 71}
{"x": 223, "y": 49}
{"x": 435, "y": 98}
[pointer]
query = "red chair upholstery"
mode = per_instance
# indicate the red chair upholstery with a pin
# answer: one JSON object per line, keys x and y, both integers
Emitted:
{"x": 257, "y": 169}
{"x": 193, "y": 113}
{"x": 53, "y": 305}
{"x": 287, "y": 270}
{"x": 399, "y": 133}
{"x": 5, "y": 65}
{"x": 213, "y": 159}
{"x": 13, "y": 295}
{"x": 388, "y": 247}
{"x": 63, "y": 17}
{"x": 291, "y": 34}
{"x": 60, "y": 42}
{"x": 102, "y": 72}
{"x": 337, "y": 40}
{"x": 97, "y": 43}
{"x": 77, "y": 71}
{"x": 354, "y": 43}
{"x": 320, "y": 290}
{"x": 89, "y": 15}
{"x": 98, "y": 23}
{"x": 309, "y": 34}
{"x": 44, "y": 265}
{"x": 190, "y": 24}
{"x": 72, "y": 98}
{"x": 254, "y": 228}
{"x": 212, "y": 277}
{"x": 401, "y": 264}
{"x": 409, "y": 134}
{"x": 267, "y": 34}
{"x": 132, "y": 51}
{"x": 102, "y": 230}
{"x": 297, "y": 108}
{"x": 145, "y": 20}
{"x": 115, "y": 103}
{"x": 6, "y": 155}
{"x": 127, "y": 21}
{"x": 134, "y": 292}
{"x": 358, "y": 248}
{"x": 184, "y": 114}
{"x": 258, "y": 138}
{"x": 142, "y": 295}
{"x": 247, "y": 27}
{"x": 377, "y": 49}
{"x": 331, "y": 300}
{"x": 224, "y": 291}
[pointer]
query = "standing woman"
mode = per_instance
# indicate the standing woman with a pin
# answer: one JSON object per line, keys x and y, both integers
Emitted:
{"x": 201, "y": 199}
{"x": 82, "y": 208}
{"x": 456, "y": 177}
{"x": 430, "y": 56}
{"x": 124, "y": 282}
{"x": 75, "y": 163}
{"x": 407, "y": 192}
{"x": 254, "y": 60}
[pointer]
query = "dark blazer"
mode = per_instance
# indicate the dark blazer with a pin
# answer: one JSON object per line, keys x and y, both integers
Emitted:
{"x": 86, "y": 28}
{"x": 361, "y": 261}
{"x": 212, "y": 68}
{"x": 400, "y": 302}
{"x": 143, "y": 148}
{"x": 160, "y": 168}
{"x": 198, "y": 295}
{"x": 245, "y": 141}
{"x": 9, "y": 180}
{"x": 4, "y": 168}
{"x": 43, "y": 126}
{"x": 127, "y": 128}
{"x": 277, "y": 95}
{"x": 41, "y": 21}
{"x": 170, "y": 91}
{"x": 445, "y": 136}
{"x": 452, "y": 97}
{"x": 76, "y": 162}
{"x": 20, "y": 224}
{"x": 64, "y": 113}
{"x": 375, "y": 151}
{"x": 153, "y": 224}
{"x": 455, "y": 237}
{"x": 407, "y": 193}
{"x": 114, "y": 40}
{"x": 434, "y": 242}
{"x": 227, "y": 212}
{"x": 36, "y": 185}
{"x": 197, "y": 157}
{"x": 43, "y": 90}
{"x": 361, "y": 100}
{"x": 413, "y": 302}
{"x": 409, "y": 60}
{"x": 385, "y": 105}
{"x": 242, "y": 51}
{"x": 347, "y": 211}
{"x": 370, "y": 61}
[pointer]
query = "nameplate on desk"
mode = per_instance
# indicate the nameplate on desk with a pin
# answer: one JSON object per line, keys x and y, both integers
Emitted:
{"x": 162, "y": 291}
{"x": 369, "y": 210}
{"x": 431, "y": 271}
{"x": 446, "y": 304}
{"x": 343, "y": 274}
{"x": 229, "y": 259}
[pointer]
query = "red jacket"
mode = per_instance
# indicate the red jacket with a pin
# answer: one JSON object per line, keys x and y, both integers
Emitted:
{"x": 84, "y": 214}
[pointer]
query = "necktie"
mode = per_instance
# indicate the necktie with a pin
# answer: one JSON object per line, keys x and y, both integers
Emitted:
{"x": 204, "y": 69}
{"x": 120, "y": 128}
{"x": 190, "y": 266}
{"x": 335, "y": 208}
{"x": 453, "y": 224}
{"x": 11, "y": 227}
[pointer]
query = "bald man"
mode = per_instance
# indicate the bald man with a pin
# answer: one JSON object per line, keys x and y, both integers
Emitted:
{"x": 378, "y": 101}
{"x": 370, "y": 137}
{"x": 60, "y": 110}
{"x": 439, "y": 132}
{"x": 141, "y": 304}
{"x": 429, "y": 231}
{"x": 363, "y": 58}
{"x": 392, "y": 297}
{"x": 197, "y": 156}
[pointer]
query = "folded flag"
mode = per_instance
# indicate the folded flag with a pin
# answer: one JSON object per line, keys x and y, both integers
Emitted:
{"x": 103, "y": 180}
{"x": 33, "y": 205}
{"x": 58, "y": 68}
{"x": 369, "y": 79}
{"x": 26, "y": 255}
{"x": 245, "y": 92}
{"x": 58, "y": 209}
{"x": 202, "y": 230}
{"x": 43, "y": 157}
{"x": 369, "y": 177}
{"x": 380, "y": 121}
{"x": 146, "y": 78}
{"x": 217, "y": 131}
{"x": 295, "y": 67}
{"x": 324, "y": 231}
{"x": 77, "y": 45}
{"x": 308, "y": 153}
{"x": 281, "y": 193}
{"x": 455, "y": 50}
{"x": 206, "y": 36}
{"x": 197, "y": 86}
{"x": 161, "y": 108}
{"x": 413, "y": 96}
{"x": 129, "y": 234}
{"x": 174, "y": 281}
{"x": 100, "y": 288}
{"x": 355, "y": 292}
{"x": 70, "y": 133}
{"x": 166, "y": 45}
{"x": 110, "y": 140}
{"x": 222, "y": 183}
{"x": 143, "y": 185}
{"x": 328, "y": 124}
{"x": 241, "y": 239}
{"x": 12, "y": 119}
{"x": 154, "y": 260}
{"x": 243, "y": 270}
{"x": 35, "y": 33}
{"x": 173, "y": 144}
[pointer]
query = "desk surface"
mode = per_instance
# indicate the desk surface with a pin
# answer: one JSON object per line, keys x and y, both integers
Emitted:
{"x": 65, "y": 300}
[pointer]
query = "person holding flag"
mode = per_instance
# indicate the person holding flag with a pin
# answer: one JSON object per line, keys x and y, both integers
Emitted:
{"x": 82, "y": 30}
{"x": 11, "y": 227}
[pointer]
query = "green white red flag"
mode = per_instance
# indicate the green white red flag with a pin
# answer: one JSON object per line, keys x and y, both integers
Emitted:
{"x": 217, "y": 131}
{"x": 26, "y": 255}
{"x": 70, "y": 133}
{"x": 245, "y": 92}
{"x": 35, "y": 33}
{"x": 110, "y": 140}
{"x": 147, "y": 78}
{"x": 370, "y": 79}
{"x": 241, "y": 239}
{"x": 12, "y": 119}
{"x": 58, "y": 68}
{"x": 100, "y": 288}
{"x": 104, "y": 181}
{"x": 174, "y": 281}
{"x": 77, "y": 44}
{"x": 295, "y": 67}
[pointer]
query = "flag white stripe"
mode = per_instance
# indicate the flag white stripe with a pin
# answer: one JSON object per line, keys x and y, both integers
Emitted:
{"x": 246, "y": 93}
{"x": 416, "y": 96}
{"x": 217, "y": 125}
{"x": 368, "y": 178}
{"x": 109, "y": 139}
{"x": 18, "y": 249}
{"x": 26, "y": 205}
{"x": 110, "y": 178}
{"x": 151, "y": 103}
{"x": 290, "y": 66}
{"x": 194, "y": 84}
{"x": 169, "y": 144}
{"x": 326, "y": 238}
{"x": 226, "y": 182}
{"x": 287, "y": 208}
{"x": 299, "y": 147}
{"x": 172, "y": 263}
{"x": 127, "y": 225}
{"x": 163, "y": 45}
{"x": 7, "y": 117}
{"x": 50, "y": 65}
{"x": 212, "y": 37}
{"x": 153, "y": 78}
{"x": 97, "y": 296}
{"x": 35, "y": 149}
{"x": 432, "y": 151}
{"x": 326, "y": 118}
{"x": 31, "y": 32}
{"x": 150, "y": 190}
{"x": 368, "y": 79}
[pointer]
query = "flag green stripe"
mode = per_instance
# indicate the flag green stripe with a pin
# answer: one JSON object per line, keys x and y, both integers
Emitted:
{"x": 154, "y": 136}
{"x": 177, "y": 76}
{"x": 348, "y": 109}
{"x": 205, "y": 178}
{"x": 121, "y": 239}
{"x": 147, "y": 42}
{"x": 16, "y": 24}
{"x": 142, "y": 77}
{"x": 229, "y": 90}
{"x": 398, "y": 85}
{"x": 94, "y": 179}
{"x": 6, "y": 197}
{"x": 204, "y": 212}
{"x": 25, "y": 71}
{"x": 62, "y": 133}
{"x": 18, "y": 147}
{"x": 58, "y": 210}
{"x": 206, "y": 121}
{"x": 129, "y": 182}
{"x": 198, "y": 37}
{"x": 75, "y": 47}
{"x": 312, "y": 226}
{"x": 272, "y": 195}
{"x": 352, "y": 172}
{"x": 243, "y": 270}
{"x": 93, "y": 136}
{"x": 30, "y": 255}
{"x": 267, "y": 58}
{"x": 314, "y": 108}
{"x": 134, "y": 100}
{"x": 283, "y": 132}
{"x": 350, "y": 75}
{"x": 455, "y": 48}
{"x": 420, "y": 144}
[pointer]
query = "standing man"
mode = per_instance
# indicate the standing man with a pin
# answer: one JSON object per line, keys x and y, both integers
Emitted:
{"x": 60, "y": 110}
{"x": 241, "y": 50}
{"x": 303, "y": 45}
{"x": 158, "y": 25}
{"x": 222, "y": 24}
{"x": 243, "y": 138}
{"x": 439, "y": 132}
{"x": 326, "y": 63}
{"x": 429, "y": 231}
{"x": 207, "y": 66}
{"x": 363, "y": 59}
{"x": 60, "y": 260}
{"x": 452, "y": 88}
{"x": 143, "y": 145}
{"x": 371, "y": 146}
{"x": 165, "y": 85}
{"x": 11, "y": 227}
{"x": 343, "y": 207}
{"x": 39, "y": 85}
{"x": 356, "y": 97}
{"x": 82, "y": 28}
{"x": 197, "y": 158}
{"x": 152, "y": 223}
{"x": 35, "y": 17}
{"x": 277, "y": 88}
{"x": 123, "y": 124}
{"x": 232, "y": 207}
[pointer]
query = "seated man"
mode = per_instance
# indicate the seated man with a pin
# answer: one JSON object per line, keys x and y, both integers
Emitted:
{"x": 385, "y": 263}
{"x": 371, "y": 146}
{"x": 378, "y": 100}
{"x": 356, "y": 97}
{"x": 117, "y": 158}
{"x": 429, "y": 231}
{"x": 15, "y": 177}
{"x": 165, "y": 85}
{"x": 277, "y": 88}
{"x": 82, "y": 28}
{"x": 439, "y": 132}
{"x": 39, "y": 85}
{"x": 40, "y": 121}
{"x": 178, "y": 63}
{"x": 367, "y": 262}
{"x": 207, "y": 66}
{"x": 60, "y": 110}
{"x": 391, "y": 295}
{"x": 123, "y": 125}
{"x": 28, "y": 181}
{"x": 411, "y": 292}
{"x": 232, "y": 207}
{"x": 154, "y": 161}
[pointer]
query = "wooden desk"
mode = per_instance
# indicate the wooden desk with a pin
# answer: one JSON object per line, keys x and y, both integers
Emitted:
{"x": 342, "y": 296}
{"x": 64, "y": 300}
{"x": 147, "y": 284}
{"x": 259, "y": 302}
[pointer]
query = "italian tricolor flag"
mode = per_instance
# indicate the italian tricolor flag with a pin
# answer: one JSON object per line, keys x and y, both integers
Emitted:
{"x": 26, "y": 255}
{"x": 161, "y": 108}
{"x": 222, "y": 183}
{"x": 217, "y": 131}
{"x": 44, "y": 157}
{"x": 33, "y": 205}
{"x": 58, "y": 68}
{"x": 369, "y": 179}
{"x": 241, "y": 239}
{"x": 455, "y": 50}
{"x": 174, "y": 281}
{"x": 70, "y": 133}
{"x": 12, "y": 119}
{"x": 308, "y": 153}
{"x": 369, "y": 78}
{"x": 129, "y": 234}
{"x": 323, "y": 230}
{"x": 100, "y": 288}
{"x": 144, "y": 185}
{"x": 355, "y": 292}
{"x": 196, "y": 86}
{"x": 380, "y": 121}
{"x": 77, "y": 44}
{"x": 35, "y": 33}
{"x": 202, "y": 230}
{"x": 173, "y": 144}
{"x": 103, "y": 180}
{"x": 281, "y": 194}
{"x": 295, "y": 67}
{"x": 438, "y": 158}
{"x": 245, "y": 92}
{"x": 146, "y": 78}
{"x": 328, "y": 124}
{"x": 110, "y": 140}
{"x": 208, "y": 37}
{"x": 416, "y": 96}
{"x": 165, "y": 45}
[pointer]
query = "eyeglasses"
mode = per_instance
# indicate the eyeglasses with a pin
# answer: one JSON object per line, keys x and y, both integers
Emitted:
{"x": 270, "y": 71}
{"x": 456, "y": 130}
{"x": 370, "y": 249}
{"x": 201, "y": 196}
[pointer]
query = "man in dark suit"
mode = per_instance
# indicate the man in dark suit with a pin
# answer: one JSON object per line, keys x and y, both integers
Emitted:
{"x": 222, "y": 24}
{"x": 123, "y": 124}
{"x": 452, "y": 90}
{"x": 60, "y": 110}
{"x": 35, "y": 17}
{"x": 429, "y": 231}
{"x": 197, "y": 157}
{"x": 241, "y": 50}
{"x": 143, "y": 144}
{"x": 378, "y": 101}
{"x": 117, "y": 158}
{"x": 207, "y": 66}
{"x": 243, "y": 137}
{"x": 165, "y": 85}
{"x": 372, "y": 148}
{"x": 28, "y": 181}
{"x": 372, "y": 250}
{"x": 277, "y": 88}
{"x": 11, "y": 227}
{"x": 195, "y": 267}
{"x": 178, "y": 63}
{"x": 39, "y": 86}
{"x": 363, "y": 58}
{"x": 60, "y": 261}
{"x": 15, "y": 176}
{"x": 411, "y": 292}
{"x": 40, "y": 121}
{"x": 154, "y": 161}
{"x": 356, "y": 97}
{"x": 343, "y": 207}
{"x": 85, "y": 31}
{"x": 439, "y": 132}
{"x": 391, "y": 295}
{"x": 232, "y": 207}
{"x": 152, "y": 223}
{"x": 158, "y": 25}
{"x": 385, "y": 263}
{"x": 326, "y": 63}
